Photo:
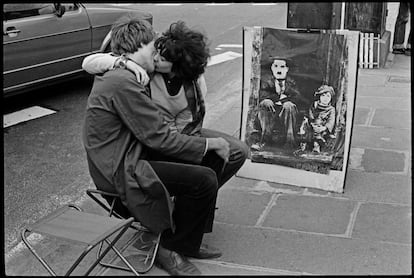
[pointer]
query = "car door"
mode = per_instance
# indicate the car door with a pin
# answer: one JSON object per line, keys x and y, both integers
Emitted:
{"x": 39, "y": 45}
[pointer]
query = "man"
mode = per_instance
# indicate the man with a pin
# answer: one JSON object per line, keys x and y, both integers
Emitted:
{"x": 399, "y": 30}
{"x": 277, "y": 109}
{"x": 122, "y": 125}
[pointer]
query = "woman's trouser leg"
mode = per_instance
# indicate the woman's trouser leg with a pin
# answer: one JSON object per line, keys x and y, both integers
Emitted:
{"x": 239, "y": 151}
{"x": 238, "y": 154}
{"x": 195, "y": 191}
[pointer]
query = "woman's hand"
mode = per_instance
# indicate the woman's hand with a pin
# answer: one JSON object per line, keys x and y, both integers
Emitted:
{"x": 140, "y": 73}
{"x": 220, "y": 146}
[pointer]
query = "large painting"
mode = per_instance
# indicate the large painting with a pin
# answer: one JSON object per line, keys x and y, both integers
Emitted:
{"x": 298, "y": 103}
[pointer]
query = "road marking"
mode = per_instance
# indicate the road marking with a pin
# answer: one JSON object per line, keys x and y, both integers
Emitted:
{"x": 24, "y": 115}
{"x": 172, "y": 4}
{"x": 231, "y": 45}
{"x": 264, "y": 4}
{"x": 218, "y": 4}
{"x": 223, "y": 57}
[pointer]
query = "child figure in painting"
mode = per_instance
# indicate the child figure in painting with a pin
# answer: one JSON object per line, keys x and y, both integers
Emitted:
{"x": 320, "y": 121}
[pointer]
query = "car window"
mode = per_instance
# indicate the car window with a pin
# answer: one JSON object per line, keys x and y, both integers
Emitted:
{"x": 15, "y": 11}
{"x": 70, "y": 7}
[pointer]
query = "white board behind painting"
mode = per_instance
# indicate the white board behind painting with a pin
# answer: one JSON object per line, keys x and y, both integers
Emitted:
{"x": 334, "y": 180}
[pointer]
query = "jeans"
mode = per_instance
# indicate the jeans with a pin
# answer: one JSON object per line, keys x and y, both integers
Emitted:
{"x": 400, "y": 24}
{"x": 195, "y": 188}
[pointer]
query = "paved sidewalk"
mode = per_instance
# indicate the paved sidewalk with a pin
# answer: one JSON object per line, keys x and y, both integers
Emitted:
{"x": 274, "y": 229}
{"x": 366, "y": 230}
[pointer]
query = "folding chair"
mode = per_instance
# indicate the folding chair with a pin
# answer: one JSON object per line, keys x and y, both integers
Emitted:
{"x": 115, "y": 208}
{"x": 71, "y": 223}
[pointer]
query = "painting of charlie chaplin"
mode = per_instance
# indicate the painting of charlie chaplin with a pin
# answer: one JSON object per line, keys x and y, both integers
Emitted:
{"x": 297, "y": 106}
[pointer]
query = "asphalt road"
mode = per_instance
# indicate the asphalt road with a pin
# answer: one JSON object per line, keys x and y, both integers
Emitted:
{"x": 44, "y": 161}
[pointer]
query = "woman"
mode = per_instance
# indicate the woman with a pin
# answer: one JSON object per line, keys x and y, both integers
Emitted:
{"x": 178, "y": 88}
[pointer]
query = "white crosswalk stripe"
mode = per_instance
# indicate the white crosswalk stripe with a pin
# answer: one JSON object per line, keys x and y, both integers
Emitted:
{"x": 264, "y": 4}
{"x": 171, "y": 4}
{"x": 24, "y": 115}
{"x": 230, "y": 46}
{"x": 219, "y": 4}
{"x": 223, "y": 57}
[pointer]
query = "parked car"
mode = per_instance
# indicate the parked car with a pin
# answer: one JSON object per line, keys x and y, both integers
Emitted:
{"x": 46, "y": 43}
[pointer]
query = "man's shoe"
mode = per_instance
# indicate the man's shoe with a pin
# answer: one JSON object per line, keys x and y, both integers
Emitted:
{"x": 205, "y": 252}
{"x": 407, "y": 51}
{"x": 398, "y": 51}
{"x": 175, "y": 264}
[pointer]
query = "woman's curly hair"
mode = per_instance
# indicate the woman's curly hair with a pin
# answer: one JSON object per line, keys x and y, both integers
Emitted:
{"x": 186, "y": 49}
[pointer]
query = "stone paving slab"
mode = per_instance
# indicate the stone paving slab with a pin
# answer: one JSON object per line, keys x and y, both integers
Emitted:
{"x": 398, "y": 81}
{"x": 384, "y": 92}
{"x": 368, "y": 80}
{"x": 310, "y": 214}
{"x": 388, "y": 161}
{"x": 361, "y": 116}
{"x": 259, "y": 187}
{"x": 377, "y": 187}
{"x": 309, "y": 253}
{"x": 380, "y": 138}
{"x": 382, "y": 222}
{"x": 392, "y": 118}
{"x": 384, "y": 161}
{"x": 240, "y": 207}
{"x": 383, "y": 102}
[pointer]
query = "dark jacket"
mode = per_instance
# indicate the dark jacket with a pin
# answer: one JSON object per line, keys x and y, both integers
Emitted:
{"x": 268, "y": 90}
{"x": 121, "y": 122}
{"x": 325, "y": 113}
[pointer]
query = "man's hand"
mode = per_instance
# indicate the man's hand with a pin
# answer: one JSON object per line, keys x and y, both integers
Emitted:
{"x": 268, "y": 104}
{"x": 220, "y": 146}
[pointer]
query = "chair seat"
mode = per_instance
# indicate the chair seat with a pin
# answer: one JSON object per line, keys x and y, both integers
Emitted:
{"x": 78, "y": 226}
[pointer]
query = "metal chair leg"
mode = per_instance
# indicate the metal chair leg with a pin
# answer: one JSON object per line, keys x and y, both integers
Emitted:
{"x": 111, "y": 245}
{"x": 30, "y": 247}
{"x": 151, "y": 253}
{"x": 40, "y": 259}
{"x": 131, "y": 268}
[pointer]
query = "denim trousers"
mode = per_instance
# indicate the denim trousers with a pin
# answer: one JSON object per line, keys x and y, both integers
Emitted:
{"x": 400, "y": 25}
{"x": 195, "y": 188}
